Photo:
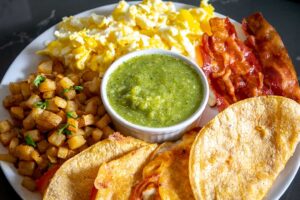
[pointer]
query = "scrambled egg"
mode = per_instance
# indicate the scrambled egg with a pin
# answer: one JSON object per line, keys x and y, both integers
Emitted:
{"x": 96, "y": 41}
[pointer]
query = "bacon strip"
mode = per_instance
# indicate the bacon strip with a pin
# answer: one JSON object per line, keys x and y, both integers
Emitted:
{"x": 234, "y": 72}
{"x": 278, "y": 69}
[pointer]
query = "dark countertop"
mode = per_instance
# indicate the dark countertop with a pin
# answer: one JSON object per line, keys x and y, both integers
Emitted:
{"x": 23, "y": 20}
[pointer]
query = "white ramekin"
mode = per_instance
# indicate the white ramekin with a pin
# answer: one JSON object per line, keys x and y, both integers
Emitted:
{"x": 150, "y": 134}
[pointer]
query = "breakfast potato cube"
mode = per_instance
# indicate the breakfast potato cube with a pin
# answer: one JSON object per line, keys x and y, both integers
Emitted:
{"x": 88, "y": 131}
{"x": 36, "y": 157}
{"x": 13, "y": 144}
{"x": 76, "y": 141}
{"x": 89, "y": 75}
{"x": 101, "y": 110}
{"x": 49, "y": 94}
{"x": 32, "y": 100}
{"x": 52, "y": 154}
{"x": 26, "y": 168}
{"x": 29, "y": 184}
{"x": 45, "y": 67}
{"x": 15, "y": 88}
{"x": 103, "y": 122}
{"x": 60, "y": 102}
{"x": 6, "y": 137}
{"x": 81, "y": 97}
{"x": 58, "y": 68}
{"x": 33, "y": 134}
{"x": 52, "y": 106}
{"x": 5, "y": 126}
{"x": 92, "y": 106}
{"x": 88, "y": 119}
{"x": 70, "y": 94}
{"x": 62, "y": 152}
{"x": 42, "y": 146}
{"x": 36, "y": 112}
{"x": 107, "y": 131}
{"x": 62, "y": 114}
{"x": 44, "y": 163}
{"x": 56, "y": 139}
{"x": 25, "y": 89}
{"x": 47, "y": 85}
{"x": 66, "y": 83}
{"x": 71, "y": 106}
{"x": 23, "y": 152}
{"x": 48, "y": 120}
{"x": 17, "y": 112}
{"x": 97, "y": 134}
{"x": 8, "y": 158}
{"x": 73, "y": 125}
{"x": 75, "y": 78}
{"x": 28, "y": 122}
{"x": 12, "y": 100}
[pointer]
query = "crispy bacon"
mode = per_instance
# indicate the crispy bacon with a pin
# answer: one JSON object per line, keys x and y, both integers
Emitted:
{"x": 234, "y": 72}
{"x": 238, "y": 70}
{"x": 278, "y": 69}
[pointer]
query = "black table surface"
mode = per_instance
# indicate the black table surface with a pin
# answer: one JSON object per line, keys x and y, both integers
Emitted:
{"x": 23, "y": 20}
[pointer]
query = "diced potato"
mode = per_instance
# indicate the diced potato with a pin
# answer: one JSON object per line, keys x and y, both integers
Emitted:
{"x": 58, "y": 67}
{"x": 94, "y": 86}
{"x": 49, "y": 94}
{"x": 52, "y": 154}
{"x": 48, "y": 120}
{"x": 73, "y": 125}
{"x": 52, "y": 106}
{"x": 56, "y": 139}
{"x": 6, "y": 137}
{"x": 76, "y": 142}
{"x": 70, "y": 94}
{"x": 103, "y": 122}
{"x": 60, "y": 102}
{"x": 92, "y": 106}
{"x": 26, "y": 168}
{"x": 5, "y": 126}
{"x": 36, "y": 157}
{"x": 101, "y": 110}
{"x": 45, "y": 67}
{"x": 25, "y": 89}
{"x": 88, "y": 119}
{"x": 88, "y": 131}
{"x": 15, "y": 88}
{"x": 34, "y": 134}
{"x": 29, "y": 184}
{"x": 71, "y": 106}
{"x": 42, "y": 146}
{"x": 88, "y": 75}
{"x": 33, "y": 99}
{"x": 66, "y": 83}
{"x": 62, "y": 152}
{"x": 12, "y": 100}
{"x": 23, "y": 152}
{"x": 81, "y": 97}
{"x": 28, "y": 122}
{"x": 36, "y": 112}
{"x": 97, "y": 134}
{"x": 47, "y": 85}
{"x": 107, "y": 131}
{"x": 17, "y": 112}
{"x": 8, "y": 158}
{"x": 43, "y": 164}
{"x": 13, "y": 144}
{"x": 75, "y": 78}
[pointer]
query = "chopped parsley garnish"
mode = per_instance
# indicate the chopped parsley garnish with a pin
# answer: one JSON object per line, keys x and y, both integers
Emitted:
{"x": 41, "y": 104}
{"x": 64, "y": 129}
{"x": 38, "y": 80}
{"x": 71, "y": 115}
{"x": 29, "y": 141}
{"x": 78, "y": 88}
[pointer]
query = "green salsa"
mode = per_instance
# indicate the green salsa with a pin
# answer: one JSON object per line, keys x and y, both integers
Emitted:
{"x": 155, "y": 90}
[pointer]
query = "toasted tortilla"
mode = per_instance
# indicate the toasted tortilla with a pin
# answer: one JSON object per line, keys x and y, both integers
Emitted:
{"x": 116, "y": 178}
{"x": 239, "y": 154}
{"x": 75, "y": 178}
{"x": 166, "y": 175}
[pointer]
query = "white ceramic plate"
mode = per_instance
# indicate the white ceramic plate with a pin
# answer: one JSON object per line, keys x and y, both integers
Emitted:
{"x": 26, "y": 63}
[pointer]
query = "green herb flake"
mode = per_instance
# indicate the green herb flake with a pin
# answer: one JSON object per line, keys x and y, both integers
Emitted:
{"x": 38, "y": 80}
{"x": 71, "y": 115}
{"x": 41, "y": 104}
{"x": 78, "y": 88}
{"x": 29, "y": 141}
{"x": 64, "y": 129}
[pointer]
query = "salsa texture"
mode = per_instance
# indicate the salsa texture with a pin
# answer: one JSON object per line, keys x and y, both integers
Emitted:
{"x": 155, "y": 90}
